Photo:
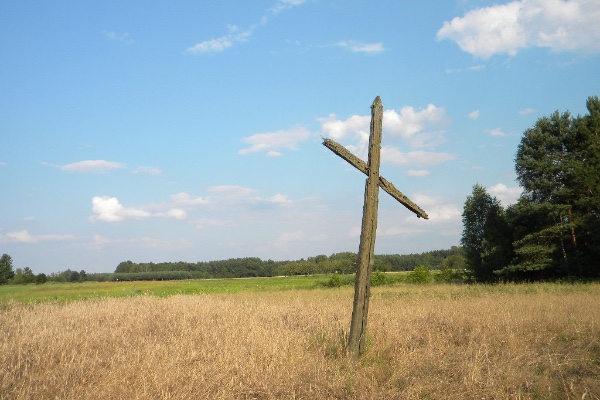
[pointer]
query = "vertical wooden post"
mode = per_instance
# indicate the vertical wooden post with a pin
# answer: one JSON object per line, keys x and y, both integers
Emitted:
{"x": 366, "y": 251}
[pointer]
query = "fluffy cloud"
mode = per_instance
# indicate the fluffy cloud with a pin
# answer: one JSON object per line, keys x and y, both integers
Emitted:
{"x": 109, "y": 209}
{"x": 506, "y": 195}
{"x": 417, "y": 128}
{"x": 437, "y": 209}
{"x": 273, "y": 141}
{"x": 560, "y": 25}
{"x": 98, "y": 166}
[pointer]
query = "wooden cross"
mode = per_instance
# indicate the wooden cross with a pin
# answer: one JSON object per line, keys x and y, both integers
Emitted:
{"x": 366, "y": 251}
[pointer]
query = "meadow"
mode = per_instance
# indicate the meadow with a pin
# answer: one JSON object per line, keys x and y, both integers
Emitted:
{"x": 268, "y": 341}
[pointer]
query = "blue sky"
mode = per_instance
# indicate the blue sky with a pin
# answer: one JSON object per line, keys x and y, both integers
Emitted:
{"x": 191, "y": 130}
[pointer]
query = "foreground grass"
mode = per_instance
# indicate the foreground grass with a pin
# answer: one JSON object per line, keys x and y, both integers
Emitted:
{"x": 433, "y": 341}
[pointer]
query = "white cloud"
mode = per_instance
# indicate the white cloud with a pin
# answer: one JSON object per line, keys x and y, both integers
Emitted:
{"x": 394, "y": 156}
{"x": 506, "y": 195}
{"x": 470, "y": 68}
{"x": 236, "y": 36}
{"x": 98, "y": 166}
{"x": 176, "y": 213}
{"x": 417, "y": 127}
{"x": 526, "y": 111}
{"x": 286, "y": 238}
{"x": 109, "y": 209}
{"x": 202, "y": 223}
{"x": 231, "y": 190}
{"x": 232, "y": 197}
{"x": 496, "y": 132}
{"x": 99, "y": 242}
{"x": 25, "y": 237}
{"x": 186, "y": 200}
{"x": 147, "y": 170}
{"x": 358, "y": 47}
{"x": 437, "y": 209}
{"x": 559, "y": 25}
{"x": 118, "y": 37}
{"x": 278, "y": 199}
{"x": 356, "y": 125}
{"x": 417, "y": 173}
{"x": 218, "y": 44}
{"x": 273, "y": 141}
{"x": 473, "y": 115}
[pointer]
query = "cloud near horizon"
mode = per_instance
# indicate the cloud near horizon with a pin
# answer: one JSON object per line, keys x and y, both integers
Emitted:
{"x": 223, "y": 197}
{"x": 561, "y": 26}
{"x": 25, "y": 237}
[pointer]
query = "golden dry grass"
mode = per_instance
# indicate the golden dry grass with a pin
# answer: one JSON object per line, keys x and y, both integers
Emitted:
{"x": 437, "y": 342}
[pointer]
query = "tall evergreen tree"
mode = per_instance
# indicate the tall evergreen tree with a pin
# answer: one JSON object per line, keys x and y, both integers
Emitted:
{"x": 555, "y": 223}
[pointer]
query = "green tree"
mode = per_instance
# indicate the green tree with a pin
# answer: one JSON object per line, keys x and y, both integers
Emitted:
{"x": 556, "y": 222}
{"x": 41, "y": 278}
{"x": 23, "y": 276}
{"x": 6, "y": 269}
{"x": 420, "y": 274}
{"x": 486, "y": 235}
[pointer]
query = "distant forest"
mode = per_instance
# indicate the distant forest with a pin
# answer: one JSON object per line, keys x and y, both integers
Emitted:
{"x": 344, "y": 263}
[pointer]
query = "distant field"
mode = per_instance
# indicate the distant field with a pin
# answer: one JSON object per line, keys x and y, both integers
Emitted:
{"x": 85, "y": 290}
{"x": 247, "y": 340}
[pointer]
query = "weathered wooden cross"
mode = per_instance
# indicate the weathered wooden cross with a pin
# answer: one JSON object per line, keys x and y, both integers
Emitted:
{"x": 366, "y": 256}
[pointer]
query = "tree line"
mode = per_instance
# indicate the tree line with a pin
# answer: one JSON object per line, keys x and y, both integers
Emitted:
{"x": 340, "y": 263}
{"x": 553, "y": 231}
{"x": 343, "y": 263}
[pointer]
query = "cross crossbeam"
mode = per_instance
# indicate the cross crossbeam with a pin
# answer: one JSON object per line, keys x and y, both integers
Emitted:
{"x": 383, "y": 183}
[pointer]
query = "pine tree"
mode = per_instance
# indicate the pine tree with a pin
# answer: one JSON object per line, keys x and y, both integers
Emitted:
{"x": 556, "y": 222}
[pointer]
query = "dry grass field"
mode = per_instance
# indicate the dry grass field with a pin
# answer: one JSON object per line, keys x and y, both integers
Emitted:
{"x": 425, "y": 342}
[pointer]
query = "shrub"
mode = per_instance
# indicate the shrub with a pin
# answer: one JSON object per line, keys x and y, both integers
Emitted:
{"x": 378, "y": 279}
{"x": 334, "y": 281}
{"x": 420, "y": 274}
